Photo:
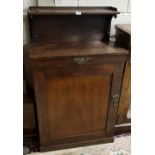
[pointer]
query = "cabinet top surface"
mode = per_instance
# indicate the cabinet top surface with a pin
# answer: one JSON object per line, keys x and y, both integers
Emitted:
{"x": 72, "y": 10}
{"x": 125, "y": 28}
{"x": 72, "y": 49}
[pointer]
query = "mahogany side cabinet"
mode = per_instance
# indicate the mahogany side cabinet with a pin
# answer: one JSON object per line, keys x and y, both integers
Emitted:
{"x": 77, "y": 75}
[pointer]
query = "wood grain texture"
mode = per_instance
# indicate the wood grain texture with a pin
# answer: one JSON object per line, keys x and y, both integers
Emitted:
{"x": 76, "y": 74}
{"x": 84, "y": 85}
{"x": 77, "y": 144}
{"x": 41, "y": 99}
{"x": 29, "y": 123}
{"x": 80, "y": 101}
{"x": 123, "y": 39}
{"x": 47, "y": 24}
{"x": 77, "y": 102}
{"x": 49, "y": 28}
{"x": 115, "y": 89}
{"x": 45, "y": 50}
{"x": 71, "y": 10}
{"x": 125, "y": 100}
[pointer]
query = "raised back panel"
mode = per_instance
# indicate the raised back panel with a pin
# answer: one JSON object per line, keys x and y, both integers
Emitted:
{"x": 70, "y": 28}
{"x": 68, "y": 25}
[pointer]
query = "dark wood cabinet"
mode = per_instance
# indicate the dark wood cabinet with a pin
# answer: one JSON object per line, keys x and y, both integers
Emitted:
{"x": 77, "y": 94}
{"x": 77, "y": 82}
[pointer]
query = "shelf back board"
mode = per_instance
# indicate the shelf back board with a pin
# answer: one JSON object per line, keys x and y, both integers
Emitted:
{"x": 69, "y": 24}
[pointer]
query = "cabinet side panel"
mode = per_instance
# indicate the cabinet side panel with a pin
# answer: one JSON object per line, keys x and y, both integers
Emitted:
{"x": 115, "y": 91}
{"x": 41, "y": 100}
{"x": 125, "y": 100}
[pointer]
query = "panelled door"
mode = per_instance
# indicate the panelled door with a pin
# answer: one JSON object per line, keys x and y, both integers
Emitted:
{"x": 75, "y": 103}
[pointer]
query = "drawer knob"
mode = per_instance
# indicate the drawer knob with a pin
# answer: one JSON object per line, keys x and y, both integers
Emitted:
{"x": 81, "y": 60}
{"x": 115, "y": 99}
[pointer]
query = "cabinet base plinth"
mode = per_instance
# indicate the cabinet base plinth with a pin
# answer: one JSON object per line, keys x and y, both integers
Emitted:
{"x": 76, "y": 144}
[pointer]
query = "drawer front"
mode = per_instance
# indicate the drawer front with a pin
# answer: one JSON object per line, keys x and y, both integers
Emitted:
{"x": 76, "y": 61}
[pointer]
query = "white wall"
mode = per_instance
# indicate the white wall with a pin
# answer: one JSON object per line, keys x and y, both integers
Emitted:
{"x": 123, "y": 6}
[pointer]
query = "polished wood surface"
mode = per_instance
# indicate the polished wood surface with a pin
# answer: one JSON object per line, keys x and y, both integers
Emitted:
{"x": 83, "y": 103}
{"x": 72, "y": 49}
{"x": 123, "y": 39}
{"x": 92, "y": 23}
{"x": 75, "y": 144}
{"x": 77, "y": 75}
{"x": 84, "y": 109}
{"x": 72, "y": 10}
{"x": 125, "y": 100}
{"x": 29, "y": 123}
{"x": 41, "y": 52}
